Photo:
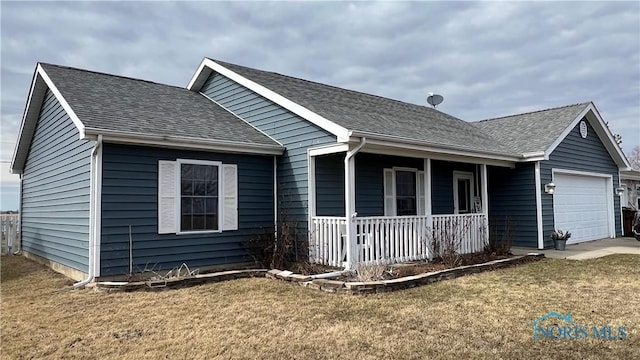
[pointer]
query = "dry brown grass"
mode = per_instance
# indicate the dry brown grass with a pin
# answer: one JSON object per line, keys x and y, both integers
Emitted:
{"x": 480, "y": 316}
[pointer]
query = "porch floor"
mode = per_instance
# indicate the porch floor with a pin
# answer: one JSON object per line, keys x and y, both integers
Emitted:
{"x": 588, "y": 250}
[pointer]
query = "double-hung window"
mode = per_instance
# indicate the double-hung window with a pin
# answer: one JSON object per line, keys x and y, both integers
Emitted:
{"x": 197, "y": 196}
{"x": 403, "y": 192}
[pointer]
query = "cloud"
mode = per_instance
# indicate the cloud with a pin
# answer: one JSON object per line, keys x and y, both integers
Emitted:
{"x": 488, "y": 59}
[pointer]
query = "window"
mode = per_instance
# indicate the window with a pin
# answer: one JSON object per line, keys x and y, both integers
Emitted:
{"x": 403, "y": 192}
{"x": 199, "y": 189}
{"x": 197, "y": 196}
{"x": 406, "y": 202}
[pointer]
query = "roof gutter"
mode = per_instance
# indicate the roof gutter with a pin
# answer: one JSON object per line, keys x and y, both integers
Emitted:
{"x": 181, "y": 142}
{"x": 438, "y": 148}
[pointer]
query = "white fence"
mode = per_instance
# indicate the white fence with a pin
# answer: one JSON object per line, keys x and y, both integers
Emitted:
{"x": 10, "y": 232}
{"x": 384, "y": 240}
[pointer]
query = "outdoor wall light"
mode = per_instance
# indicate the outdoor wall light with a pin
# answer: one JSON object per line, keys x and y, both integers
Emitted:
{"x": 619, "y": 190}
{"x": 549, "y": 188}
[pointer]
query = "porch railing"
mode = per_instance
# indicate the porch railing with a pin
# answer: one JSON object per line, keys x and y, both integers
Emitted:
{"x": 383, "y": 240}
{"x": 327, "y": 243}
{"x": 468, "y": 231}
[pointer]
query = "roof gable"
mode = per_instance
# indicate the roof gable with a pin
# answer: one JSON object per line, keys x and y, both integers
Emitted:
{"x": 358, "y": 114}
{"x": 536, "y": 134}
{"x": 135, "y": 111}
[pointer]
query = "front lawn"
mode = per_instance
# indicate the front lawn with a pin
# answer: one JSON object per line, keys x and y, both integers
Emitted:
{"x": 485, "y": 315}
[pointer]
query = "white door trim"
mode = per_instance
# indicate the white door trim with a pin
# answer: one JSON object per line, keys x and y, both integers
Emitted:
{"x": 457, "y": 175}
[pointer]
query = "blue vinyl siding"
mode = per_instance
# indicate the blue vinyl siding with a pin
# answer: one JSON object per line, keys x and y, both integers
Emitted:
{"x": 56, "y": 190}
{"x": 442, "y": 184}
{"x": 576, "y": 153}
{"x": 330, "y": 185}
{"x": 292, "y": 131}
{"x": 130, "y": 195}
{"x": 512, "y": 196}
{"x": 370, "y": 180}
{"x": 370, "y": 183}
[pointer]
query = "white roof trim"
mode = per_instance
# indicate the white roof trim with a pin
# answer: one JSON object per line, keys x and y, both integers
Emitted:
{"x": 198, "y": 80}
{"x": 328, "y": 149}
{"x": 63, "y": 102}
{"x": 39, "y": 84}
{"x": 181, "y": 142}
{"x": 601, "y": 129}
{"x": 633, "y": 175}
{"x": 431, "y": 147}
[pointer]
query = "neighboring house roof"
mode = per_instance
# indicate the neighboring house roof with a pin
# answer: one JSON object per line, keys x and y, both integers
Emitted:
{"x": 364, "y": 114}
{"x": 632, "y": 175}
{"x": 536, "y": 134}
{"x": 127, "y": 110}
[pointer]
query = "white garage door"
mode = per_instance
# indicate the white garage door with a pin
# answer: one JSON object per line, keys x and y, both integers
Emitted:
{"x": 580, "y": 206}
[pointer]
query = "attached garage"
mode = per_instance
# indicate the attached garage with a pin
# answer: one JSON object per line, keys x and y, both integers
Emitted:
{"x": 583, "y": 204}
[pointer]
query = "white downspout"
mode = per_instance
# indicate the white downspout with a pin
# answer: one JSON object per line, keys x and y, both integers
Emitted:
{"x": 94, "y": 215}
{"x": 349, "y": 197}
{"x": 275, "y": 197}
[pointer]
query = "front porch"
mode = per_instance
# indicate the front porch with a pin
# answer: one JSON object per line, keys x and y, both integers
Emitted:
{"x": 368, "y": 206}
{"x": 388, "y": 240}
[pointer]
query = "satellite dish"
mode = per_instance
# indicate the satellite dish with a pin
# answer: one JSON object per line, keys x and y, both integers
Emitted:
{"x": 435, "y": 99}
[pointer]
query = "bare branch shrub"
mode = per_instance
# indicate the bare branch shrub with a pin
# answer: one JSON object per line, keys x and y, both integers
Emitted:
{"x": 445, "y": 242}
{"x": 371, "y": 272}
{"x": 500, "y": 241}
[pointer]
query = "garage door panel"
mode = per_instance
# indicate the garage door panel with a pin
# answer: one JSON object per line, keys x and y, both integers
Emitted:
{"x": 581, "y": 206}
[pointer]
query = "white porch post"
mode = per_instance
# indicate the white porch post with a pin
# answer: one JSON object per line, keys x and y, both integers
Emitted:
{"x": 350, "y": 208}
{"x": 427, "y": 201}
{"x": 311, "y": 204}
{"x": 350, "y": 203}
{"x": 485, "y": 200}
{"x": 427, "y": 187}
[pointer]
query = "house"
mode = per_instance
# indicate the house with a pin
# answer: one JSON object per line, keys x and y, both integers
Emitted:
{"x": 120, "y": 174}
{"x": 631, "y": 186}
{"x": 630, "y": 199}
{"x": 571, "y": 170}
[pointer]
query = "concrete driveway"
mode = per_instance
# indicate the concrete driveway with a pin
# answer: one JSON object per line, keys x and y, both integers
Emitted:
{"x": 588, "y": 250}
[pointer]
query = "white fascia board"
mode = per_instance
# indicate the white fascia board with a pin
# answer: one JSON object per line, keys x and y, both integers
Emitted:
{"x": 21, "y": 146}
{"x": 39, "y": 85}
{"x": 425, "y": 154}
{"x": 63, "y": 102}
{"x": 179, "y": 142}
{"x": 633, "y": 175}
{"x": 397, "y": 141}
{"x": 443, "y": 153}
{"x": 328, "y": 149}
{"x": 340, "y": 132}
{"x": 199, "y": 77}
{"x": 602, "y": 130}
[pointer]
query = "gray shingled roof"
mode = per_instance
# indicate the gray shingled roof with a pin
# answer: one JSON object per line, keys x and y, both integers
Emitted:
{"x": 358, "y": 111}
{"x": 533, "y": 131}
{"x": 116, "y": 103}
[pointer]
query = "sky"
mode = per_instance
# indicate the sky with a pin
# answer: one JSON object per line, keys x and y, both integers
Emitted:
{"x": 488, "y": 59}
